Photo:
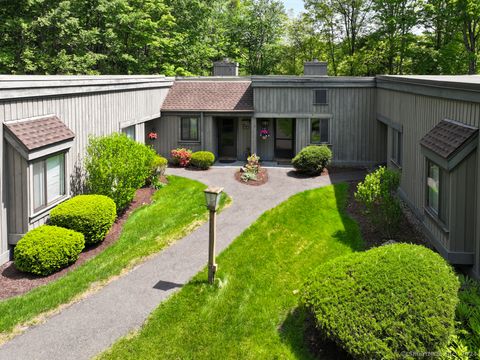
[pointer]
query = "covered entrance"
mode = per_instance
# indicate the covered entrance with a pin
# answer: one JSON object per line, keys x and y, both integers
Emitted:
{"x": 284, "y": 133}
{"x": 227, "y": 138}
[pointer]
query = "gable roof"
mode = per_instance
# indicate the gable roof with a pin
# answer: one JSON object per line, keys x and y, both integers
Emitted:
{"x": 449, "y": 142}
{"x": 214, "y": 96}
{"x": 34, "y": 134}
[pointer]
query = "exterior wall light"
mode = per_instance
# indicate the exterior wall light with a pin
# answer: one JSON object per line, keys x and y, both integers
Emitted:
{"x": 212, "y": 198}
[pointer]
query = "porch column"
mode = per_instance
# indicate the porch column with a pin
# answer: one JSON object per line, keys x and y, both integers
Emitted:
{"x": 253, "y": 127}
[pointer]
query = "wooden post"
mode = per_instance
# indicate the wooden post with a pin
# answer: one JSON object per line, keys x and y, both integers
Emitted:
{"x": 212, "y": 267}
{"x": 253, "y": 136}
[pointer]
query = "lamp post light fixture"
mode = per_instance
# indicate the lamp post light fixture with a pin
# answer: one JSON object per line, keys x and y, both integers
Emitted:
{"x": 212, "y": 197}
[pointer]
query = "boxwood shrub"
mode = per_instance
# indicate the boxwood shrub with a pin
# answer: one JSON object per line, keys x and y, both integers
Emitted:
{"x": 312, "y": 159}
{"x": 117, "y": 166}
{"x": 91, "y": 215}
{"x": 47, "y": 249}
{"x": 202, "y": 159}
{"x": 386, "y": 302}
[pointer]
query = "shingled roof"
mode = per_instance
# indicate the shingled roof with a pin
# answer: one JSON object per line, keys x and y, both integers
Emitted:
{"x": 214, "y": 96}
{"x": 39, "y": 132}
{"x": 448, "y": 138}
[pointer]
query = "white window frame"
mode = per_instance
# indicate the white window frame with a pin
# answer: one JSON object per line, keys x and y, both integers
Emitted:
{"x": 46, "y": 206}
{"x": 429, "y": 206}
{"x": 126, "y": 131}
{"x": 329, "y": 132}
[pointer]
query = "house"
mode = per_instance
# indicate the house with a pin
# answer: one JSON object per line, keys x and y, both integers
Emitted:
{"x": 426, "y": 127}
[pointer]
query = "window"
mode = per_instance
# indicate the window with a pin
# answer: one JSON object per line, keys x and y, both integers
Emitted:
{"x": 130, "y": 132}
{"x": 433, "y": 187}
{"x": 48, "y": 181}
{"x": 189, "y": 129}
{"x": 397, "y": 147}
{"x": 320, "y": 97}
{"x": 320, "y": 131}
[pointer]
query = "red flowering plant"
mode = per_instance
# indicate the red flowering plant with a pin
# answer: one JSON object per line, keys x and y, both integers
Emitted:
{"x": 264, "y": 133}
{"x": 152, "y": 135}
{"x": 181, "y": 157}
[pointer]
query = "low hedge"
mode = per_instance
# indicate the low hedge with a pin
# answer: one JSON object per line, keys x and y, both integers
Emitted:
{"x": 47, "y": 249}
{"x": 312, "y": 159}
{"x": 91, "y": 215}
{"x": 202, "y": 159}
{"x": 386, "y": 302}
{"x": 159, "y": 164}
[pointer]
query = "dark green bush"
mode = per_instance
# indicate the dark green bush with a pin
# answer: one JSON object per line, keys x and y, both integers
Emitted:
{"x": 202, "y": 159}
{"x": 378, "y": 195}
{"x": 47, "y": 249}
{"x": 91, "y": 215}
{"x": 117, "y": 166}
{"x": 312, "y": 159}
{"x": 387, "y": 301}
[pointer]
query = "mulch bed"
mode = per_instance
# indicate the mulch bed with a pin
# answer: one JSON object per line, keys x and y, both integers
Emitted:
{"x": 325, "y": 172}
{"x": 409, "y": 230}
{"x": 262, "y": 178}
{"x": 14, "y": 282}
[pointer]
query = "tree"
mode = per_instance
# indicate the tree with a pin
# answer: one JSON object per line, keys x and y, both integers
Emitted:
{"x": 260, "y": 29}
{"x": 468, "y": 16}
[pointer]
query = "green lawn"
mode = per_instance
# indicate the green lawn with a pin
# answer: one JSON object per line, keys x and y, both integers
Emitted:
{"x": 176, "y": 209}
{"x": 248, "y": 314}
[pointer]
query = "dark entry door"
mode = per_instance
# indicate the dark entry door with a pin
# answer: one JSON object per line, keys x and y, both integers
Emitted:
{"x": 284, "y": 138}
{"x": 226, "y": 138}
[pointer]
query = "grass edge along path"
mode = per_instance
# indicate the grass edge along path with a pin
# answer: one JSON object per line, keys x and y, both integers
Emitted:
{"x": 249, "y": 313}
{"x": 177, "y": 209}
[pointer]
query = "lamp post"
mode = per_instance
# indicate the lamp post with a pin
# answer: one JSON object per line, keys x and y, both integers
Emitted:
{"x": 212, "y": 197}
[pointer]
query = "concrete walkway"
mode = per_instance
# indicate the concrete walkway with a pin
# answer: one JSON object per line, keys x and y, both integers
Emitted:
{"x": 92, "y": 325}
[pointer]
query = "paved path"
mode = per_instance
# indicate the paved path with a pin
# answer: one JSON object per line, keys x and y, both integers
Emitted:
{"x": 92, "y": 325}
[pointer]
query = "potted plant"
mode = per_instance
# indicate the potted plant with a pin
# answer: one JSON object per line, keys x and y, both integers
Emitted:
{"x": 264, "y": 134}
{"x": 152, "y": 135}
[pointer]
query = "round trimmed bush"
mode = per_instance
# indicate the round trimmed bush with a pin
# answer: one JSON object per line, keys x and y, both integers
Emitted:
{"x": 312, "y": 159}
{"x": 91, "y": 215}
{"x": 47, "y": 249}
{"x": 202, "y": 159}
{"x": 384, "y": 302}
{"x": 159, "y": 164}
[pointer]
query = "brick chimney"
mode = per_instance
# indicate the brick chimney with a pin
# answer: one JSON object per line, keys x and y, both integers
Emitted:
{"x": 225, "y": 67}
{"x": 315, "y": 67}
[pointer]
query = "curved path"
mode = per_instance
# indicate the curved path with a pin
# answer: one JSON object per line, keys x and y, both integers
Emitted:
{"x": 92, "y": 325}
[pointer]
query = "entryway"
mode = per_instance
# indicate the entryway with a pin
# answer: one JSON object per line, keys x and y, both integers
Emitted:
{"x": 227, "y": 136}
{"x": 284, "y": 133}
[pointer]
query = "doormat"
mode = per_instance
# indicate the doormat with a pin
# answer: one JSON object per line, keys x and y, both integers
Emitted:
{"x": 226, "y": 161}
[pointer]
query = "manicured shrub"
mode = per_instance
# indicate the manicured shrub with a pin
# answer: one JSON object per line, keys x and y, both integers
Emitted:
{"x": 385, "y": 302}
{"x": 202, "y": 159}
{"x": 47, "y": 249}
{"x": 181, "y": 157}
{"x": 117, "y": 166}
{"x": 159, "y": 165}
{"x": 312, "y": 159}
{"x": 378, "y": 195}
{"x": 91, "y": 215}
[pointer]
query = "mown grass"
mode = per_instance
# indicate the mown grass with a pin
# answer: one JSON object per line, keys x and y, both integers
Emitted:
{"x": 248, "y": 313}
{"x": 176, "y": 209}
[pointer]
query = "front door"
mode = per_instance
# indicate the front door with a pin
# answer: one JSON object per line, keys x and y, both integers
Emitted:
{"x": 284, "y": 138}
{"x": 227, "y": 139}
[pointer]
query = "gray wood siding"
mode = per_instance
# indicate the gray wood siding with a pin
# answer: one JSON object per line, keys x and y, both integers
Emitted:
{"x": 243, "y": 138}
{"x": 418, "y": 114}
{"x": 356, "y": 139}
{"x": 265, "y": 148}
{"x": 87, "y": 113}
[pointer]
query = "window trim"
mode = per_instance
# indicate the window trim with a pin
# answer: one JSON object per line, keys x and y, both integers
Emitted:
{"x": 431, "y": 211}
{"x": 315, "y": 97}
{"x": 190, "y": 140}
{"x": 329, "y": 140}
{"x": 37, "y": 212}
{"x": 398, "y": 159}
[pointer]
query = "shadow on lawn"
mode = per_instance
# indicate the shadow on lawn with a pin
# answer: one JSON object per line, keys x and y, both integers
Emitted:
{"x": 299, "y": 331}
